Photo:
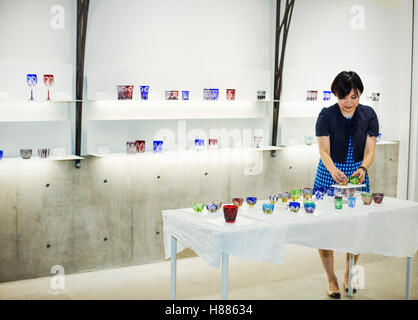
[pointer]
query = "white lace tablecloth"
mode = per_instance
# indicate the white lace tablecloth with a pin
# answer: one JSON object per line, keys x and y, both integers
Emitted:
{"x": 389, "y": 229}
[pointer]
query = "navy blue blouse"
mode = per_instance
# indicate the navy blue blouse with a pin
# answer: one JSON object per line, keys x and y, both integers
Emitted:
{"x": 332, "y": 123}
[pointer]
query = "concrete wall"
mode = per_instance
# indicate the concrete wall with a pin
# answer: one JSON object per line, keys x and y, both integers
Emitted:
{"x": 108, "y": 212}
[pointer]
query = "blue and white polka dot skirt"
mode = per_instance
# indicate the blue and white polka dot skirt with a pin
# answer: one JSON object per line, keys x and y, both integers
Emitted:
{"x": 324, "y": 179}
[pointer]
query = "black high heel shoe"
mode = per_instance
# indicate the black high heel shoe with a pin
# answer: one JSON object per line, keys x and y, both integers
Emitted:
{"x": 334, "y": 294}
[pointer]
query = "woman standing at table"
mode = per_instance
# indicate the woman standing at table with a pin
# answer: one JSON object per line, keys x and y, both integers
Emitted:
{"x": 346, "y": 133}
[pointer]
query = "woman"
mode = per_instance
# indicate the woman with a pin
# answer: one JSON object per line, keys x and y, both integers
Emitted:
{"x": 346, "y": 133}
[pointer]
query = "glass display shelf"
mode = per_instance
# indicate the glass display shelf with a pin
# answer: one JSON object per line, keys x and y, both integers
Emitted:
{"x": 51, "y": 158}
{"x": 189, "y": 151}
{"x": 7, "y": 101}
{"x": 24, "y": 120}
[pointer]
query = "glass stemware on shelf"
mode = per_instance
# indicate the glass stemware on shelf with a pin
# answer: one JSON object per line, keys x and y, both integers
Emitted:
{"x": 31, "y": 80}
{"x": 49, "y": 81}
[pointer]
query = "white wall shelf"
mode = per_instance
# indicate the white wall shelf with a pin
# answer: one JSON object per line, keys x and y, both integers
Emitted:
{"x": 36, "y": 124}
{"x": 173, "y": 109}
{"x": 7, "y": 101}
{"x": 190, "y": 151}
{"x": 20, "y": 160}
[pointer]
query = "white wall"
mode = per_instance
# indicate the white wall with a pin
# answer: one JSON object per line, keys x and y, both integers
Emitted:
{"x": 30, "y": 44}
{"x": 322, "y": 43}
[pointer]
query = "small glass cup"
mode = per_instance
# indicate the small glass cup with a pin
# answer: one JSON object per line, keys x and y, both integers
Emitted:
{"x": 212, "y": 207}
{"x": 213, "y": 144}
{"x": 273, "y": 198}
{"x": 261, "y": 95}
{"x": 294, "y": 206}
{"x": 43, "y": 153}
{"x": 378, "y": 197}
{"x": 185, "y": 95}
{"x": 24, "y": 153}
{"x": 268, "y": 208}
{"x": 367, "y": 198}
{"x": 130, "y": 147}
{"x": 198, "y": 206}
{"x": 140, "y": 146}
{"x": 251, "y": 201}
{"x": 307, "y": 193}
{"x": 295, "y": 194}
{"x": 237, "y": 201}
{"x": 338, "y": 202}
{"x": 230, "y": 213}
{"x": 157, "y": 146}
{"x": 144, "y": 92}
{"x": 351, "y": 202}
{"x": 230, "y": 94}
{"x": 199, "y": 144}
{"x": 354, "y": 180}
{"x": 309, "y": 206}
{"x": 284, "y": 196}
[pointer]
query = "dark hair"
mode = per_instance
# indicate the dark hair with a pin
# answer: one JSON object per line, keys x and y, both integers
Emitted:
{"x": 344, "y": 82}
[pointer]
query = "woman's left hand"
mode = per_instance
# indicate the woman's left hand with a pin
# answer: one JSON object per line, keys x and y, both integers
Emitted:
{"x": 361, "y": 175}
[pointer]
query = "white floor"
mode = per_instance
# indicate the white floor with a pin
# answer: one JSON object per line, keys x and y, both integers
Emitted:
{"x": 300, "y": 277}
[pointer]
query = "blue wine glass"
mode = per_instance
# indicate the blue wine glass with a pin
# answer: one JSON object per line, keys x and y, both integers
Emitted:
{"x": 31, "y": 80}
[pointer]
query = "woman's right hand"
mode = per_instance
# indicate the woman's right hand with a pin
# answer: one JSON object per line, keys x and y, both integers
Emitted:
{"x": 338, "y": 176}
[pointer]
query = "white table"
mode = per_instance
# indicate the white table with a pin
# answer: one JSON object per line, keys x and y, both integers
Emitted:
{"x": 388, "y": 229}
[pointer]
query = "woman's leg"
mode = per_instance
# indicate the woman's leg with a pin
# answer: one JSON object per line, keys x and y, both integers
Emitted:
{"x": 327, "y": 258}
{"x": 347, "y": 266}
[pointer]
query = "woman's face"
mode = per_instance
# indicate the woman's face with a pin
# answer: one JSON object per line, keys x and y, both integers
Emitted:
{"x": 349, "y": 103}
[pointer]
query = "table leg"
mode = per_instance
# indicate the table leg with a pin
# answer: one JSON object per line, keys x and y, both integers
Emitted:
{"x": 224, "y": 276}
{"x": 408, "y": 278}
{"x": 350, "y": 274}
{"x": 173, "y": 268}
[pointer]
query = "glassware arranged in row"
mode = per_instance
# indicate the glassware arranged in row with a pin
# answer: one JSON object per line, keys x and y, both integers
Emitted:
{"x": 27, "y": 153}
{"x": 125, "y": 92}
{"x": 312, "y": 95}
{"x": 32, "y": 80}
{"x": 368, "y": 197}
{"x": 294, "y": 206}
{"x": 230, "y": 211}
{"x": 138, "y": 146}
